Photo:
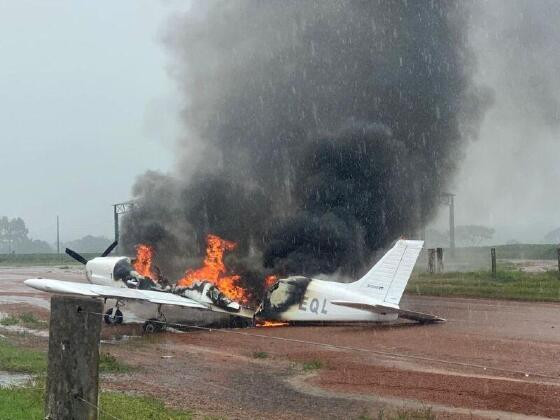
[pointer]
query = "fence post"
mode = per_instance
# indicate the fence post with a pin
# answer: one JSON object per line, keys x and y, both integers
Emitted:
{"x": 431, "y": 260}
{"x": 73, "y": 360}
{"x": 439, "y": 253}
{"x": 493, "y": 255}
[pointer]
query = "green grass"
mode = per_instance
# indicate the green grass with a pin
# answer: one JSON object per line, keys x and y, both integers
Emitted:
{"x": 260, "y": 355}
{"x": 110, "y": 364}
{"x": 27, "y": 320}
{"x": 515, "y": 285}
{"x": 28, "y": 260}
{"x": 27, "y": 404}
{"x": 312, "y": 365}
{"x": 127, "y": 407}
{"x": 10, "y": 320}
{"x": 19, "y": 359}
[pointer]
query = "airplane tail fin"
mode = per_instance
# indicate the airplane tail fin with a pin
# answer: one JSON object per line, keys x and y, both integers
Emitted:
{"x": 388, "y": 278}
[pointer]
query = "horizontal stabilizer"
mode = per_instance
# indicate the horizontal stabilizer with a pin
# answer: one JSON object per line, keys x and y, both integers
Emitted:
{"x": 384, "y": 310}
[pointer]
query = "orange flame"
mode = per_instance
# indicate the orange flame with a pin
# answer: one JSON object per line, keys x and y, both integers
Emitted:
{"x": 214, "y": 270}
{"x": 269, "y": 281}
{"x": 143, "y": 262}
{"x": 269, "y": 324}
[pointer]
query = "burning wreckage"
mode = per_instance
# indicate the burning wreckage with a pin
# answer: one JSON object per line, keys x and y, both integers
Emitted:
{"x": 373, "y": 298}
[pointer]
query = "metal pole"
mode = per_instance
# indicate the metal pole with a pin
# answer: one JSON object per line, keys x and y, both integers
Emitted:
{"x": 57, "y": 236}
{"x": 452, "y": 222}
{"x": 493, "y": 255}
{"x": 116, "y": 216}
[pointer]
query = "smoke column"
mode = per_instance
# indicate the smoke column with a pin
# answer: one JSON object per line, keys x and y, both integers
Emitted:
{"x": 315, "y": 131}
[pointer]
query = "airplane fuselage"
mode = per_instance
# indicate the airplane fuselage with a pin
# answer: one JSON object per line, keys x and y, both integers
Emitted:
{"x": 303, "y": 299}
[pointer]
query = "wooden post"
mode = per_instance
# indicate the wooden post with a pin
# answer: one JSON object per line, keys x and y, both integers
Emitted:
{"x": 73, "y": 361}
{"x": 431, "y": 260}
{"x": 493, "y": 255}
{"x": 439, "y": 260}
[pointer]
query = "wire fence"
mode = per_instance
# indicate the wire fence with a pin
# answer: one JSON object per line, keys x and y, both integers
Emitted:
{"x": 99, "y": 410}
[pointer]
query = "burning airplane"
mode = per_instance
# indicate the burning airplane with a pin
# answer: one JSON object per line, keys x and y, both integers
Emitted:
{"x": 123, "y": 279}
{"x": 373, "y": 298}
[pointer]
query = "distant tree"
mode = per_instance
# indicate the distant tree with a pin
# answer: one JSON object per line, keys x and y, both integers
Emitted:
{"x": 13, "y": 238}
{"x": 35, "y": 246}
{"x": 473, "y": 235}
{"x": 89, "y": 243}
{"x": 553, "y": 237}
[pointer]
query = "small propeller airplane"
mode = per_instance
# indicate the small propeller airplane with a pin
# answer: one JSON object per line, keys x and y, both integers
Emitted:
{"x": 297, "y": 299}
{"x": 373, "y": 298}
{"x": 115, "y": 278}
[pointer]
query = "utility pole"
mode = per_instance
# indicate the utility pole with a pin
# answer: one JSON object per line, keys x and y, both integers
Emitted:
{"x": 118, "y": 209}
{"x": 57, "y": 236}
{"x": 493, "y": 257}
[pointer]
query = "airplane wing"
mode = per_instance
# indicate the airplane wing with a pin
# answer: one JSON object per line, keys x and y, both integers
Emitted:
{"x": 382, "y": 309}
{"x": 94, "y": 290}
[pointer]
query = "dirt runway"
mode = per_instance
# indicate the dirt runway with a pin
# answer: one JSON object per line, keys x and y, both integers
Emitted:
{"x": 492, "y": 359}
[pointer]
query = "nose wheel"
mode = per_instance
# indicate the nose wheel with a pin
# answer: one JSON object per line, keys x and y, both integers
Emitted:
{"x": 113, "y": 316}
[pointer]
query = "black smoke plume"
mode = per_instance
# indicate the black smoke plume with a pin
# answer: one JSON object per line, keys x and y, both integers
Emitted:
{"x": 315, "y": 131}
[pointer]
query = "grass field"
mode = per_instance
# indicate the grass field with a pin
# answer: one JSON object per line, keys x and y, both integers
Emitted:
{"x": 27, "y": 404}
{"x": 30, "y": 260}
{"x": 20, "y": 359}
{"x": 515, "y": 285}
{"x": 27, "y": 320}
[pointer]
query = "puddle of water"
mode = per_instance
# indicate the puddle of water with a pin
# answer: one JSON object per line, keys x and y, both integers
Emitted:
{"x": 14, "y": 379}
{"x": 35, "y": 301}
{"x": 20, "y": 329}
{"x": 120, "y": 339}
{"x": 23, "y": 330}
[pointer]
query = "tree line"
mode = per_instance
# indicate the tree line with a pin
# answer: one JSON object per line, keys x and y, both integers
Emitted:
{"x": 14, "y": 239}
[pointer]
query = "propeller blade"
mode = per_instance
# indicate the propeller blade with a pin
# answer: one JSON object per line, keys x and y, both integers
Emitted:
{"x": 109, "y": 249}
{"x": 76, "y": 256}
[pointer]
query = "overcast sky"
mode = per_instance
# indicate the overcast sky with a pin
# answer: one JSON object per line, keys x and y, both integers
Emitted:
{"x": 510, "y": 176}
{"x": 86, "y": 105}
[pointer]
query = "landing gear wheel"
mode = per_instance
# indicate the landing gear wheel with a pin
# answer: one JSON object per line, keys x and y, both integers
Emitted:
{"x": 113, "y": 318}
{"x": 153, "y": 326}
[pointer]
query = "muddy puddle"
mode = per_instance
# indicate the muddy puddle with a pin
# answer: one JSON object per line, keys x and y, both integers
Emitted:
{"x": 8, "y": 379}
{"x": 19, "y": 329}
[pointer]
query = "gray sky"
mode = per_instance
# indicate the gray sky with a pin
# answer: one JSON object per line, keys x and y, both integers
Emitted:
{"x": 86, "y": 105}
{"x": 509, "y": 178}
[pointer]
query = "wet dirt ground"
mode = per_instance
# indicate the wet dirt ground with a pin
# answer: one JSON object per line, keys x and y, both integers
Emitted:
{"x": 492, "y": 359}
